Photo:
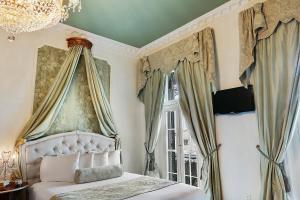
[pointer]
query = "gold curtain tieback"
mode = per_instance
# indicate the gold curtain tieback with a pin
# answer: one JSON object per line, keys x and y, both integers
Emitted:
{"x": 267, "y": 157}
{"x": 147, "y": 149}
{"x": 206, "y": 157}
{"x": 150, "y": 159}
{"x": 117, "y": 142}
{"x": 280, "y": 166}
{"x": 212, "y": 152}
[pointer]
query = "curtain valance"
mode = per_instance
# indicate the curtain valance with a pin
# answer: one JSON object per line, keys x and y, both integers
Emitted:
{"x": 197, "y": 48}
{"x": 260, "y": 22}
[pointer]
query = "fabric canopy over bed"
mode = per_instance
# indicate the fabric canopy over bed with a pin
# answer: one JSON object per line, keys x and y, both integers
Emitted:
{"x": 49, "y": 108}
{"x": 83, "y": 118}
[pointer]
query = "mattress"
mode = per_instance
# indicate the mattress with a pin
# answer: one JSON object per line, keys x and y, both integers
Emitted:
{"x": 45, "y": 190}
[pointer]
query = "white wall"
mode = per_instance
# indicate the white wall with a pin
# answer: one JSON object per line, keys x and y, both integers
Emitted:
{"x": 17, "y": 78}
{"x": 238, "y": 134}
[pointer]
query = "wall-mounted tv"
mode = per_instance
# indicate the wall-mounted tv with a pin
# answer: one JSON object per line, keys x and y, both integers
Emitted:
{"x": 234, "y": 100}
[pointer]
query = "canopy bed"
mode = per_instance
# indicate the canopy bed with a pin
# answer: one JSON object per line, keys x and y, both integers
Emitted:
{"x": 62, "y": 165}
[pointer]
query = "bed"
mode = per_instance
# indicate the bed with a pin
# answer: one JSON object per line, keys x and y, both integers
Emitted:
{"x": 31, "y": 154}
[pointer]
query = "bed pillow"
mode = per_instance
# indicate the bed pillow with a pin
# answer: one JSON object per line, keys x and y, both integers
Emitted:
{"x": 114, "y": 157}
{"x": 86, "y": 160}
{"x": 100, "y": 159}
{"x": 59, "y": 168}
{"x": 88, "y": 175}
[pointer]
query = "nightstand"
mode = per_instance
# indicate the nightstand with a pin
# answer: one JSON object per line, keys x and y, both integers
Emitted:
{"x": 14, "y": 192}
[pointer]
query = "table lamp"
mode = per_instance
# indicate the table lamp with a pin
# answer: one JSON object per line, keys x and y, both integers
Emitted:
{"x": 7, "y": 162}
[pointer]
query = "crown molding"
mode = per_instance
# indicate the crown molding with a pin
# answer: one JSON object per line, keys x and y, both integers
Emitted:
{"x": 101, "y": 42}
{"x": 194, "y": 26}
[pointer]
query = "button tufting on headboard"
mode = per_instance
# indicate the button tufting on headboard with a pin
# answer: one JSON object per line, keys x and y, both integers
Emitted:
{"x": 64, "y": 143}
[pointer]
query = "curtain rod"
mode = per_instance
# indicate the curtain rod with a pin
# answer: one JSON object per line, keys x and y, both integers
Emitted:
{"x": 72, "y": 41}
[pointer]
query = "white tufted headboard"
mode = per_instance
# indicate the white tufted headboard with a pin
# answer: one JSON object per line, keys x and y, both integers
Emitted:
{"x": 31, "y": 153}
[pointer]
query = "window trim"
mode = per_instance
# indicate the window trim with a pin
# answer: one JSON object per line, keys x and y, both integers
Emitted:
{"x": 173, "y": 105}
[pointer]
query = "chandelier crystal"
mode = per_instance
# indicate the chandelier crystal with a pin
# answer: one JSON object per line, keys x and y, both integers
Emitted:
{"x": 17, "y": 16}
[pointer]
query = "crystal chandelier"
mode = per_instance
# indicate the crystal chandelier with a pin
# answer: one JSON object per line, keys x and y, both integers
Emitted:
{"x": 17, "y": 16}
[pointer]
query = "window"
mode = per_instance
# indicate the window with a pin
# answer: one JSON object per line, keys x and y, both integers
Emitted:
{"x": 182, "y": 163}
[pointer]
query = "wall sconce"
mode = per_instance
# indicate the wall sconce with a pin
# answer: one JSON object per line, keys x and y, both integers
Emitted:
{"x": 7, "y": 162}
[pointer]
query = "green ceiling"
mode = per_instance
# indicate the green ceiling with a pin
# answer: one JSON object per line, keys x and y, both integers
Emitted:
{"x": 138, "y": 22}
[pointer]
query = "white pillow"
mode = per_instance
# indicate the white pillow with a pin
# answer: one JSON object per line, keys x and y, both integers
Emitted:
{"x": 59, "y": 168}
{"x": 100, "y": 159}
{"x": 86, "y": 160}
{"x": 114, "y": 157}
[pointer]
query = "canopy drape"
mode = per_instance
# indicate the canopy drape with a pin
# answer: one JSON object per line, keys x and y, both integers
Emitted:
{"x": 46, "y": 113}
{"x": 100, "y": 101}
{"x": 196, "y": 105}
{"x": 194, "y": 62}
{"x": 270, "y": 54}
{"x": 153, "y": 97}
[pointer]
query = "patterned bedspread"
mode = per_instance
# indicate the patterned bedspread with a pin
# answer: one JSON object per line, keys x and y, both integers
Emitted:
{"x": 117, "y": 191}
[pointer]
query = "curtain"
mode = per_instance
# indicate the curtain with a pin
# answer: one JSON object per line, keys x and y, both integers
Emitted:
{"x": 100, "y": 101}
{"x": 153, "y": 97}
{"x": 260, "y": 22}
{"x": 49, "y": 108}
{"x": 46, "y": 113}
{"x": 276, "y": 86}
{"x": 197, "y": 47}
{"x": 293, "y": 163}
{"x": 196, "y": 104}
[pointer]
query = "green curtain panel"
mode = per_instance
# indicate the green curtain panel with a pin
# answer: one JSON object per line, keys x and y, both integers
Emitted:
{"x": 275, "y": 79}
{"x": 100, "y": 101}
{"x": 196, "y": 104}
{"x": 153, "y": 97}
{"x": 84, "y": 118}
{"x": 48, "y": 110}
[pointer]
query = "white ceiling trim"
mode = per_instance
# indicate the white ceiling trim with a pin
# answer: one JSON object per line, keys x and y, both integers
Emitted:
{"x": 194, "y": 26}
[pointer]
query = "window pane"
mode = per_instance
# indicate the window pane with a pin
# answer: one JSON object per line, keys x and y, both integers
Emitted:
{"x": 172, "y": 177}
{"x": 194, "y": 165}
{"x": 172, "y": 87}
{"x": 195, "y": 182}
{"x": 190, "y": 154}
{"x": 187, "y": 180}
{"x": 171, "y": 139}
{"x": 187, "y": 164}
{"x": 171, "y": 120}
{"x": 172, "y": 162}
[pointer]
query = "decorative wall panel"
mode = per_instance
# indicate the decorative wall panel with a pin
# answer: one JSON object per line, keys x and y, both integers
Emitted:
{"x": 77, "y": 111}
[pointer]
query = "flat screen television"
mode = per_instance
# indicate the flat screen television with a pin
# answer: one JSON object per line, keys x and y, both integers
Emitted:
{"x": 234, "y": 100}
